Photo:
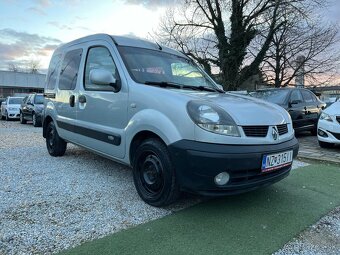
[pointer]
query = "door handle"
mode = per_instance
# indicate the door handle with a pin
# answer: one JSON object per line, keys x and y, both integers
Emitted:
{"x": 82, "y": 99}
{"x": 71, "y": 100}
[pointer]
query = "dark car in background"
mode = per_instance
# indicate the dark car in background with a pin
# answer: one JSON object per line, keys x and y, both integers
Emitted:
{"x": 31, "y": 109}
{"x": 303, "y": 106}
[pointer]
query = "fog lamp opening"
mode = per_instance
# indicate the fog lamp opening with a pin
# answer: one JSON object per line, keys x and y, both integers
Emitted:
{"x": 222, "y": 178}
{"x": 322, "y": 133}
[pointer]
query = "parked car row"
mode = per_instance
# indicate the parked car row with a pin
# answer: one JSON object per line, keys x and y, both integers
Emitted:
{"x": 329, "y": 126}
{"x": 29, "y": 108}
{"x": 307, "y": 112}
{"x": 303, "y": 106}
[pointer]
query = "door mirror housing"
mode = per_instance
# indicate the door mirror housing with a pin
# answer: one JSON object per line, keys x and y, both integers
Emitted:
{"x": 104, "y": 77}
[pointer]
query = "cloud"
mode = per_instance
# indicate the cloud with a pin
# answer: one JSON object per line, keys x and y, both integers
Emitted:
{"x": 152, "y": 4}
{"x": 43, "y": 3}
{"x": 37, "y": 11}
{"x": 19, "y": 47}
{"x": 59, "y": 25}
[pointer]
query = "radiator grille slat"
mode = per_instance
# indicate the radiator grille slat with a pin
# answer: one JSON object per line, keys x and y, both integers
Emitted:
{"x": 283, "y": 129}
{"x": 262, "y": 131}
{"x": 255, "y": 131}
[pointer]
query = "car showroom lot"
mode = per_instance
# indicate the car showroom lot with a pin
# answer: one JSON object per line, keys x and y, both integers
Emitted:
{"x": 49, "y": 204}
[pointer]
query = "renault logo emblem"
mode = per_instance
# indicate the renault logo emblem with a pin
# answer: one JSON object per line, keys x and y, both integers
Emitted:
{"x": 275, "y": 133}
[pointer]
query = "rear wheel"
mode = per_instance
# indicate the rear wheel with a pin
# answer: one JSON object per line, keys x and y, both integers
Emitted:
{"x": 56, "y": 146}
{"x": 154, "y": 173}
{"x": 326, "y": 145}
{"x": 22, "y": 119}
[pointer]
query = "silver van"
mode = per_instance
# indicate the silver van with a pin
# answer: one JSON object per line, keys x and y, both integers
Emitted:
{"x": 152, "y": 108}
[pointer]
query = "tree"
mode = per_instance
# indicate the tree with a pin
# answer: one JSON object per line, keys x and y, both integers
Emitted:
{"x": 301, "y": 43}
{"x": 220, "y": 34}
{"x": 33, "y": 66}
{"x": 29, "y": 66}
{"x": 13, "y": 67}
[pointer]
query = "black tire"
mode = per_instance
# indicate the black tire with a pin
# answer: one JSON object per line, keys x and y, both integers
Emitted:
{"x": 56, "y": 146}
{"x": 154, "y": 174}
{"x": 326, "y": 145}
{"x": 314, "y": 131}
{"x": 22, "y": 119}
{"x": 35, "y": 120}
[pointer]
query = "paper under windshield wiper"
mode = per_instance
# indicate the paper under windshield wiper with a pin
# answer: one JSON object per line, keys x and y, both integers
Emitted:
{"x": 164, "y": 84}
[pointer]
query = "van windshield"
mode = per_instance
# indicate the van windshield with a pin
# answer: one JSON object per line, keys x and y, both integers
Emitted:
{"x": 157, "y": 67}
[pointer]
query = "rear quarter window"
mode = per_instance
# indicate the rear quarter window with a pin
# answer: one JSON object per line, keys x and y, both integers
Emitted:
{"x": 69, "y": 70}
{"x": 53, "y": 72}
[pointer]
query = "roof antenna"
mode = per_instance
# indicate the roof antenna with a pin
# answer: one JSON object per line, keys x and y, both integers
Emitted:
{"x": 159, "y": 46}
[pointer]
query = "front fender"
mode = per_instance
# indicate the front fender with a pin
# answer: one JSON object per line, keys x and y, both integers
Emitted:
{"x": 154, "y": 121}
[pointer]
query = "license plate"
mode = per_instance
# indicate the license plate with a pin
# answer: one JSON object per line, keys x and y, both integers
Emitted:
{"x": 275, "y": 161}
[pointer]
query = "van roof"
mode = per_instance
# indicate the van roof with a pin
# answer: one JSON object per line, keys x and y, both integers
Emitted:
{"x": 123, "y": 41}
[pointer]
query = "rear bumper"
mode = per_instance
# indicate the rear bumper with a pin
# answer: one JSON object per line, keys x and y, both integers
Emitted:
{"x": 198, "y": 163}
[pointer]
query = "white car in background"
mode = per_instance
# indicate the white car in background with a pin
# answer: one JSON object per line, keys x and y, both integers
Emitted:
{"x": 10, "y": 109}
{"x": 329, "y": 126}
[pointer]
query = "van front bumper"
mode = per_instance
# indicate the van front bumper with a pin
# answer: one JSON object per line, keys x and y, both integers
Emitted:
{"x": 198, "y": 163}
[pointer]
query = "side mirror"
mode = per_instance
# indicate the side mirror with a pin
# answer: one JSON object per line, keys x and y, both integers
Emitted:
{"x": 104, "y": 77}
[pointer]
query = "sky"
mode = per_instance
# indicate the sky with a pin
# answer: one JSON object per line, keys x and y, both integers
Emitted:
{"x": 31, "y": 29}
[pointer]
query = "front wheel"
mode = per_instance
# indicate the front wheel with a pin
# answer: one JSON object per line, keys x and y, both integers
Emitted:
{"x": 35, "y": 121}
{"x": 22, "y": 119}
{"x": 326, "y": 145}
{"x": 154, "y": 174}
{"x": 56, "y": 146}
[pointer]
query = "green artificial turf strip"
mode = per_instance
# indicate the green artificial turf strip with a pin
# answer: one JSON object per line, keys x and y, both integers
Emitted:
{"x": 258, "y": 222}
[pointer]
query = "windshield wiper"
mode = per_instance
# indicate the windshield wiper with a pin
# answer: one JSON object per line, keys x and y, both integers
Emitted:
{"x": 203, "y": 88}
{"x": 164, "y": 84}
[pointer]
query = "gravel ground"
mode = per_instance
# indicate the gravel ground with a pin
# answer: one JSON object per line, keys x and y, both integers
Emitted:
{"x": 323, "y": 238}
{"x": 49, "y": 204}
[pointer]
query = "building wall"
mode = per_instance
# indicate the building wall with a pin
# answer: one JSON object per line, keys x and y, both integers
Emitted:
{"x": 16, "y": 83}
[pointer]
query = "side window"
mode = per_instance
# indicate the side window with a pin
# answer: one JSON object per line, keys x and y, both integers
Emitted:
{"x": 296, "y": 96}
{"x": 69, "y": 70}
{"x": 29, "y": 100}
{"x": 53, "y": 71}
{"x": 99, "y": 58}
{"x": 24, "y": 101}
{"x": 307, "y": 96}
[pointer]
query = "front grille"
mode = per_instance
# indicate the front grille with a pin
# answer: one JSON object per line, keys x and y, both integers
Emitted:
{"x": 336, "y": 135}
{"x": 338, "y": 119}
{"x": 255, "y": 131}
{"x": 283, "y": 129}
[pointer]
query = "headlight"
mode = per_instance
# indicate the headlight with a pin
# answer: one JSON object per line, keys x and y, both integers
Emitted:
{"x": 212, "y": 118}
{"x": 325, "y": 116}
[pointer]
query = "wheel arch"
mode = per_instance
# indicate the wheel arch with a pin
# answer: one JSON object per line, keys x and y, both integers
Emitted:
{"x": 138, "y": 139}
{"x": 47, "y": 120}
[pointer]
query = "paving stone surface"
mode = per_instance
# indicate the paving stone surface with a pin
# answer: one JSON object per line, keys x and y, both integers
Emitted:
{"x": 310, "y": 149}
